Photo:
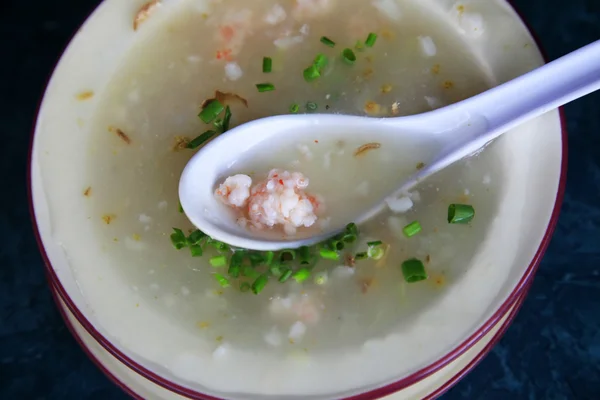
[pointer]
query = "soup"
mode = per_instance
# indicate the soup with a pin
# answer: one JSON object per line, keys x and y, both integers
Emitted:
{"x": 146, "y": 128}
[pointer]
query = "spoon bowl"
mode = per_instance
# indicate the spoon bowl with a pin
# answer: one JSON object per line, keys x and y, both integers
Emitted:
{"x": 455, "y": 131}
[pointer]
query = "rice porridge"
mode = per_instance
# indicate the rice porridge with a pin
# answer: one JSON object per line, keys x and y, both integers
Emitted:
{"x": 381, "y": 59}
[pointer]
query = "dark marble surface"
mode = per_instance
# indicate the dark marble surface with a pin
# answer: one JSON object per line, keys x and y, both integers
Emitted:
{"x": 552, "y": 351}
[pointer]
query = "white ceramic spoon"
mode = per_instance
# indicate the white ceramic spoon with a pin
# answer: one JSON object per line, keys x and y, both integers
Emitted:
{"x": 458, "y": 130}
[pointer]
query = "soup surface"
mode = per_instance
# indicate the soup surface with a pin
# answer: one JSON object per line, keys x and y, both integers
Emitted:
{"x": 148, "y": 115}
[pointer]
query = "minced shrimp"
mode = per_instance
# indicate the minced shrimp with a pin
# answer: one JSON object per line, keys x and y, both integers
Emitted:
{"x": 235, "y": 191}
{"x": 279, "y": 200}
{"x": 232, "y": 33}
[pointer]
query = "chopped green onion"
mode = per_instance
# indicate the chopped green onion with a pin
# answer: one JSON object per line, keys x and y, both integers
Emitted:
{"x": 180, "y": 208}
{"x": 413, "y": 270}
{"x": 371, "y": 39}
{"x": 311, "y": 73}
{"x": 211, "y": 111}
{"x": 376, "y": 253}
{"x": 460, "y": 213}
{"x": 321, "y": 278}
{"x": 329, "y": 254}
{"x": 301, "y": 275}
{"x": 327, "y": 42}
{"x": 226, "y": 120}
{"x": 287, "y": 255}
{"x": 412, "y": 229}
{"x": 310, "y": 106}
{"x": 348, "y": 56}
{"x": 218, "y": 124}
{"x": 320, "y": 61}
{"x": 196, "y": 236}
{"x": 285, "y": 275}
{"x": 197, "y": 142}
{"x": 259, "y": 284}
{"x": 265, "y": 87}
{"x": 304, "y": 255}
{"x": 218, "y": 261}
{"x": 178, "y": 239}
{"x": 220, "y": 246}
{"x": 294, "y": 108}
{"x": 267, "y": 64}
{"x": 196, "y": 250}
{"x": 359, "y": 45}
{"x": 249, "y": 272}
{"x": 224, "y": 282}
{"x": 235, "y": 264}
{"x": 352, "y": 228}
{"x": 256, "y": 258}
{"x": 336, "y": 245}
{"x": 268, "y": 257}
{"x": 349, "y": 238}
{"x": 244, "y": 287}
{"x": 276, "y": 264}
{"x": 234, "y": 270}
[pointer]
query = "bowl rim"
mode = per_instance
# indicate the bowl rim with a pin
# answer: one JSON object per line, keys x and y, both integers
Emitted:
{"x": 109, "y": 374}
{"x": 521, "y": 288}
{"x": 486, "y": 350}
{"x": 446, "y": 386}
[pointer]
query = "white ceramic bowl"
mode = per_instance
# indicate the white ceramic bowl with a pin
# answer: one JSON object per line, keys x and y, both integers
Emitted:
{"x": 429, "y": 388}
{"x": 534, "y": 170}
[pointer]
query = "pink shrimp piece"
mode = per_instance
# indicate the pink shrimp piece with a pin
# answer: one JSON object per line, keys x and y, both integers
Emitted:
{"x": 232, "y": 33}
{"x": 235, "y": 191}
{"x": 224, "y": 55}
{"x": 227, "y": 33}
{"x": 317, "y": 203}
{"x": 279, "y": 200}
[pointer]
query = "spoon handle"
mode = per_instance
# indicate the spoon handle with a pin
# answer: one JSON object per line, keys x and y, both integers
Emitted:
{"x": 478, "y": 120}
{"x": 484, "y": 117}
{"x": 469, "y": 125}
{"x": 539, "y": 91}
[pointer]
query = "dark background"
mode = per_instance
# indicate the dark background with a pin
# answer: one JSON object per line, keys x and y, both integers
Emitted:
{"x": 552, "y": 350}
